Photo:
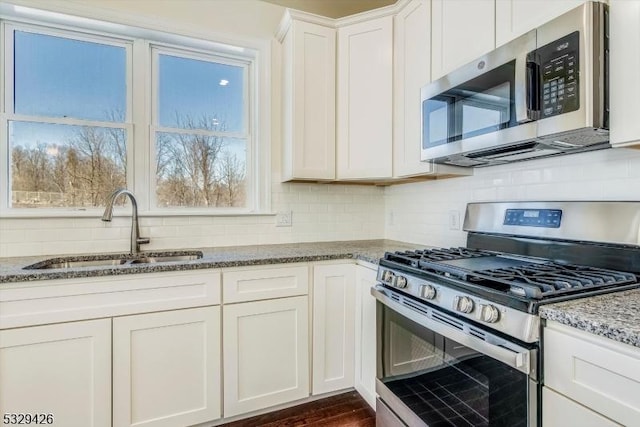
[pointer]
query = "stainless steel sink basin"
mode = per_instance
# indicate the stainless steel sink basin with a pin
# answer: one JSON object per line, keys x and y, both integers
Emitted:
{"x": 166, "y": 258}
{"x": 114, "y": 260}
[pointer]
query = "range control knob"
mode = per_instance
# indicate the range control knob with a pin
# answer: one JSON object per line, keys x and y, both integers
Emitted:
{"x": 427, "y": 291}
{"x": 463, "y": 304}
{"x": 400, "y": 282}
{"x": 387, "y": 276}
{"x": 489, "y": 313}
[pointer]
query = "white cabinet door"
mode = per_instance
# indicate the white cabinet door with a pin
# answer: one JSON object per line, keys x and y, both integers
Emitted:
{"x": 412, "y": 70}
{"x": 308, "y": 132}
{"x": 365, "y": 378}
{"x": 166, "y": 368}
{"x": 516, "y": 17}
{"x": 333, "y": 327}
{"x": 558, "y": 411}
{"x": 364, "y": 100}
{"x": 462, "y": 30}
{"x": 62, "y": 369}
{"x": 265, "y": 353}
{"x": 623, "y": 72}
{"x": 599, "y": 373}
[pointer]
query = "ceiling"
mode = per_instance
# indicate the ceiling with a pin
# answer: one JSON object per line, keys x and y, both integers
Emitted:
{"x": 332, "y": 8}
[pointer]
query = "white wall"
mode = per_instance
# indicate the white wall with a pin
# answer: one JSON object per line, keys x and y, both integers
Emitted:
{"x": 419, "y": 213}
{"x": 320, "y": 212}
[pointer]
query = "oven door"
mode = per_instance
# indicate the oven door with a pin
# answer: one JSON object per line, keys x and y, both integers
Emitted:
{"x": 434, "y": 369}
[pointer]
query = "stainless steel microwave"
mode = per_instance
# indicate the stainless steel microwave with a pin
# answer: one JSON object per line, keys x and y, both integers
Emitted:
{"x": 544, "y": 93}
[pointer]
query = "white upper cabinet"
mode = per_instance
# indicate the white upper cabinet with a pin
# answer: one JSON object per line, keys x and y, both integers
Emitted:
{"x": 412, "y": 70}
{"x": 624, "y": 96}
{"x": 461, "y": 31}
{"x": 516, "y": 17}
{"x": 364, "y": 99}
{"x": 308, "y": 99}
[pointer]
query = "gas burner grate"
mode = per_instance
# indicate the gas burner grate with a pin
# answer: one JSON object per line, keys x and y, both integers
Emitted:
{"x": 549, "y": 279}
{"x": 452, "y": 254}
{"x": 422, "y": 258}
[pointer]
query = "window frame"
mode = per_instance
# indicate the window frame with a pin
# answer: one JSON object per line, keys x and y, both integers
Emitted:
{"x": 140, "y": 126}
{"x": 8, "y": 113}
{"x": 157, "y": 49}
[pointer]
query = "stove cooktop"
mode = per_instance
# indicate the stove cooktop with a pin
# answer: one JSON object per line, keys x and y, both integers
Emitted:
{"x": 528, "y": 277}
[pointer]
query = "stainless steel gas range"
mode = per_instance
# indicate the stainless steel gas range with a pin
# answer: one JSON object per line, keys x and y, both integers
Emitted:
{"x": 458, "y": 331}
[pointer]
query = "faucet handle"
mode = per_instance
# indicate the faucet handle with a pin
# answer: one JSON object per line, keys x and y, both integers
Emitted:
{"x": 143, "y": 240}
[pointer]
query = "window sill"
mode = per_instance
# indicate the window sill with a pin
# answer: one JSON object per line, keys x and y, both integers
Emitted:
{"x": 124, "y": 212}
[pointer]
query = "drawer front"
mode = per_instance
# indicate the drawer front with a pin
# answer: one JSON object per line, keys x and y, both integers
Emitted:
{"x": 558, "y": 411}
{"x": 56, "y": 301}
{"x": 265, "y": 283}
{"x": 599, "y": 373}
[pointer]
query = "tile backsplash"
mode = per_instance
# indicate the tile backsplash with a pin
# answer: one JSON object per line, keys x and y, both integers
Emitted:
{"x": 420, "y": 212}
{"x": 320, "y": 212}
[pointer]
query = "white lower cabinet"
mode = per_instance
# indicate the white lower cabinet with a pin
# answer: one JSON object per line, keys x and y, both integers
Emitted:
{"x": 559, "y": 411}
{"x": 365, "y": 344}
{"x": 265, "y": 353}
{"x": 62, "y": 369}
{"x": 600, "y": 374}
{"x": 166, "y": 368}
{"x": 333, "y": 327}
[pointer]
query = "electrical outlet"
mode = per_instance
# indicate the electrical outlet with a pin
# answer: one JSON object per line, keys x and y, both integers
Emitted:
{"x": 454, "y": 220}
{"x": 284, "y": 219}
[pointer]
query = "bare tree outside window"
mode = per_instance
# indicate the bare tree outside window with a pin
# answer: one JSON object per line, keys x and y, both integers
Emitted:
{"x": 198, "y": 169}
{"x": 79, "y": 172}
{"x": 202, "y": 139}
{"x": 77, "y": 155}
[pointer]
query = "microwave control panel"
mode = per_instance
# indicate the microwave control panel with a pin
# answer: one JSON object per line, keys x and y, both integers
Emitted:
{"x": 559, "y": 75}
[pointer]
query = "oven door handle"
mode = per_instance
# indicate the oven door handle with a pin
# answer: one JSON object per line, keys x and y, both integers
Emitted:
{"x": 507, "y": 352}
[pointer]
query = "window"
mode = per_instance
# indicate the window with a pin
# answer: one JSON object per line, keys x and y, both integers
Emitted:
{"x": 91, "y": 106}
{"x": 66, "y": 125}
{"x": 201, "y": 135}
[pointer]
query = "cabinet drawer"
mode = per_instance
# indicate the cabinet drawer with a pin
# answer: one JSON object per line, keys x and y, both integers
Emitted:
{"x": 558, "y": 411}
{"x": 265, "y": 283}
{"x": 599, "y": 373}
{"x": 54, "y": 301}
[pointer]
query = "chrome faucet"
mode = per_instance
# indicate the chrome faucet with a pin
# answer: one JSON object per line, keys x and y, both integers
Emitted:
{"x": 136, "y": 240}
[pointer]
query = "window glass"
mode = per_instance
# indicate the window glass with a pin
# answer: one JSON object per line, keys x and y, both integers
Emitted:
{"x": 198, "y": 94}
{"x": 201, "y": 147}
{"x": 62, "y": 77}
{"x": 74, "y": 118}
{"x": 55, "y": 165}
{"x": 195, "y": 170}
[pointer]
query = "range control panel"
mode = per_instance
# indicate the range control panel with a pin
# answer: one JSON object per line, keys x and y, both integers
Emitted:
{"x": 548, "y": 218}
{"x": 559, "y": 69}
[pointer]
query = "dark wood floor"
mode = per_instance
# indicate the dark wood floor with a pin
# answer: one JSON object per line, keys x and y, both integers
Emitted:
{"x": 344, "y": 410}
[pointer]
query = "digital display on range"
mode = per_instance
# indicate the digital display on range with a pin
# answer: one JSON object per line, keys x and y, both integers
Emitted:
{"x": 547, "y": 218}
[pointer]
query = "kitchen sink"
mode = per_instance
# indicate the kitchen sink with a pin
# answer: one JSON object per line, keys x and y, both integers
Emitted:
{"x": 114, "y": 260}
{"x": 166, "y": 258}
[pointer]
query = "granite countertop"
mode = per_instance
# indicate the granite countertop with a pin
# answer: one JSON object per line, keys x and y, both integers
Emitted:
{"x": 615, "y": 315}
{"x": 11, "y": 269}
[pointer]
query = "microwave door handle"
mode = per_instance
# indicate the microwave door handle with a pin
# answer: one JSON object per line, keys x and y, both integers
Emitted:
{"x": 533, "y": 90}
{"x": 521, "y": 94}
